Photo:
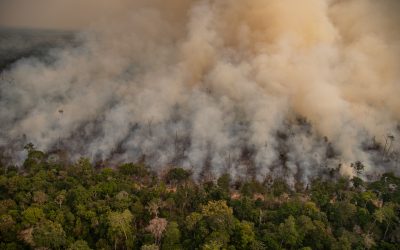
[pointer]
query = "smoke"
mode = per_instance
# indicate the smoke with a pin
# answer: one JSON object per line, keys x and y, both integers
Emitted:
{"x": 263, "y": 87}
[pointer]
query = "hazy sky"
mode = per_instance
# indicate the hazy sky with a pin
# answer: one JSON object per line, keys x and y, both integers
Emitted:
{"x": 63, "y": 14}
{"x": 75, "y": 14}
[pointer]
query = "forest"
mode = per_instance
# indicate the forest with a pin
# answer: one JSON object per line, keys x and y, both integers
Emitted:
{"x": 50, "y": 203}
{"x": 199, "y": 124}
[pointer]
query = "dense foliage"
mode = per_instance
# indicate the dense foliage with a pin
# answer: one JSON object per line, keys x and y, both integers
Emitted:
{"x": 48, "y": 204}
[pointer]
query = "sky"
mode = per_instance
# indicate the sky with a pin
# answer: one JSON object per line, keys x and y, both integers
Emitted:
{"x": 55, "y": 14}
{"x": 71, "y": 14}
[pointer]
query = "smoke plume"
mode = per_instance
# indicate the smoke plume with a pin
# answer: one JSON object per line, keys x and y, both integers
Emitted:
{"x": 272, "y": 87}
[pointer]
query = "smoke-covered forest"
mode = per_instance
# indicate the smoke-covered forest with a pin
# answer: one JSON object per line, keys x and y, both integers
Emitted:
{"x": 199, "y": 124}
{"x": 286, "y": 88}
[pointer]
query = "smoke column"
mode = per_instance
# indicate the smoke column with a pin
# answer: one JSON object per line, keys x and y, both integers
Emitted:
{"x": 279, "y": 87}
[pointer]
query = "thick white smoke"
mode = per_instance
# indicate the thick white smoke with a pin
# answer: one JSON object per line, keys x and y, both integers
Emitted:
{"x": 277, "y": 87}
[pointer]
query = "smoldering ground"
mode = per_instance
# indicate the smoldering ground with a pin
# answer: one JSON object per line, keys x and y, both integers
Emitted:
{"x": 272, "y": 87}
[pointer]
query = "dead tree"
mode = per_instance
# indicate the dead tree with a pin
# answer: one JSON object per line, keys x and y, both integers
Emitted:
{"x": 388, "y": 145}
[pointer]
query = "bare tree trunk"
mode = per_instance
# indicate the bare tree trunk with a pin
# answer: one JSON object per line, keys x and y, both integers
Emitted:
{"x": 123, "y": 229}
{"x": 387, "y": 228}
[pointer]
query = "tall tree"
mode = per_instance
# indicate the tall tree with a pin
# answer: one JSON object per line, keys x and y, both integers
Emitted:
{"x": 121, "y": 228}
